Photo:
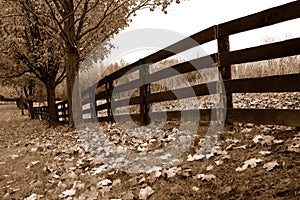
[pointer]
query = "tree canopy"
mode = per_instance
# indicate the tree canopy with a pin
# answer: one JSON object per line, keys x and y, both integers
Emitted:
{"x": 78, "y": 26}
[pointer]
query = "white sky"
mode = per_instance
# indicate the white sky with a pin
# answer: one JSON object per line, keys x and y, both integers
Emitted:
{"x": 192, "y": 16}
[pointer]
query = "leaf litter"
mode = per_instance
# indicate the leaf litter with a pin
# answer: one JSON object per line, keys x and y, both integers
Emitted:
{"x": 71, "y": 171}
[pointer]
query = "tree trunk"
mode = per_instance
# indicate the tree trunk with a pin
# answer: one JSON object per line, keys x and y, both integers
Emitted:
{"x": 51, "y": 104}
{"x": 74, "y": 102}
{"x": 30, "y": 108}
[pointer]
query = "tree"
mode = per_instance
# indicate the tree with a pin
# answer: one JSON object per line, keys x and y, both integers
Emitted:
{"x": 28, "y": 49}
{"x": 80, "y": 25}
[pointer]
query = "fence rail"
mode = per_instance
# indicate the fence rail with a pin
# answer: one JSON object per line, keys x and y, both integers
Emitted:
{"x": 101, "y": 101}
{"x": 222, "y": 60}
{"x": 42, "y": 112}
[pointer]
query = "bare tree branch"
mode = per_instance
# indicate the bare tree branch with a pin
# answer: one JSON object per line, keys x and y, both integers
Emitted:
{"x": 61, "y": 77}
{"x": 105, "y": 15}
{"x": 62, "y": 30}
{"x": 15, "y": 75}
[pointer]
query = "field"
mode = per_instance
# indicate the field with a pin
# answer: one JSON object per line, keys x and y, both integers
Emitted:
{"x": 249, "y": 161}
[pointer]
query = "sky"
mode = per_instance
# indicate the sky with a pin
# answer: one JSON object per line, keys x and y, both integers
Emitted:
{"x": 192, "y": 16}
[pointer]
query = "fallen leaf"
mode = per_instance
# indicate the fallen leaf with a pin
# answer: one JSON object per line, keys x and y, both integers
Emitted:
{"x": 210, "y": 167}
{"x": 265, "y": 152}
{"x": 104, "y": 182}
{"x": 251, "y": 162}
{"x": 156, "y": 171}
{"x": 105, "y": 189}
{"x": 208, "y": 156}
{"x": 143, "y": 179}
{"x": 294, "y": 148}
{"x": 195, "y": 157}
{"x": 229, "y": 147}
{"x": 270, "y": 165}
{"x": 100, "y": 169}
{"x": 205, "y": 177}
{"x": 145, "y": 192}
{"x": 31, "y": 197}
{"x": 190, "y": 158}
{"x": 241, "y": 147}
{"x": 6, "y": 196}
{"x": 69, "y": 193}
{"x": 172, "y": 171}
{"x": 91, "y": 194}
{"x": 219, "y": 162}
{"x": 116, "y": 182}
{"x": 186, "y": 173}
{"x": 263, "y": 139}
{"x": 34, "y": 149}
{"x": 14, "y": 156}
{"x": 32, "y": 164}
{"x": 128, "y": 196}
{"x": 278, "y": 141}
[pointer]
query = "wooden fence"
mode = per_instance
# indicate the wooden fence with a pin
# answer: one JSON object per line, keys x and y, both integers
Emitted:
{"x": 223, "y": 60}
{"x": 61, "y": 108}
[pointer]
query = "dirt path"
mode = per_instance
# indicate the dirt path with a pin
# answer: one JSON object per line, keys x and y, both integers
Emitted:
{"x": 250, "y": 162}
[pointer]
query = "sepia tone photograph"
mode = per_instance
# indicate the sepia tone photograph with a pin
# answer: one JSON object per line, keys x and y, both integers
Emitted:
{"x": 149, "y": 99}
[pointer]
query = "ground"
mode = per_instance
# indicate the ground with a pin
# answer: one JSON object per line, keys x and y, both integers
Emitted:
{"x": 248, "y": 162}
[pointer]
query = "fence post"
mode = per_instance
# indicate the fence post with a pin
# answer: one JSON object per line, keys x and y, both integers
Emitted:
{"x": 93, "y": 104}
{"x": 225, "y": 70}
{"x": 57, "y": 112}
{"x": 63, "y": 112}
{"x": 108, "y": 88}
{"x": 144, "y": 90}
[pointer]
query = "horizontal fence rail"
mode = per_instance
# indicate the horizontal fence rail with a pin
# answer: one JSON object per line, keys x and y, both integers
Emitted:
{"x": 62, "y": 112}
{"x": 103, "y": 101}
{"x": 42, "y": 112}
